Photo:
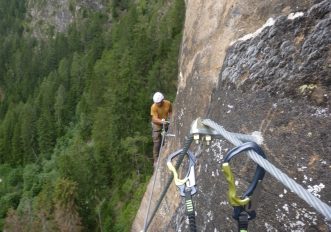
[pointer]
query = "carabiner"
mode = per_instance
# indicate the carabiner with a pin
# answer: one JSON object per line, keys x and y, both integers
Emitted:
{"x": 258, "y": 176}
{"x": 189, "y": 180}
{"x": 186, "y": 186}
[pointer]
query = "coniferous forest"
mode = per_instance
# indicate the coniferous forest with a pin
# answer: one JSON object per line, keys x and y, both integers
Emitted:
{"x": 75, "y": 136}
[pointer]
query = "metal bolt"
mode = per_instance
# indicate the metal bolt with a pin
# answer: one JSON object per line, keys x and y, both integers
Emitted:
{"x": 208, "y": 139}
{"x": 196, "y": 137}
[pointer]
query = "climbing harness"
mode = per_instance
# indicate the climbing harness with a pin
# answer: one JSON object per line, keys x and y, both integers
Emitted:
{"x": 186, "y": 186}
{"x": 244, "y": 206}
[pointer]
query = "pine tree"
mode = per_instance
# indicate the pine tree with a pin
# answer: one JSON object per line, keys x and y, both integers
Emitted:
{"x": 59, "y": 110}
{"x": 46, "y": 133}
{"x": 29, "y": 133}
{"x": 66, "y": 215}
{"x": 17, "y": 145}
{"x": 6, "y": 135}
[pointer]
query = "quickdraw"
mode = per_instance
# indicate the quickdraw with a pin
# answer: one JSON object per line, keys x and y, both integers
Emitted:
{"x": 186, "y": 186}
{"x": 244, "y": 206}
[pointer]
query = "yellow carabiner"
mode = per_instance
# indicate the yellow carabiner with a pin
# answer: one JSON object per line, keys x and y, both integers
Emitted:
{"x": 177, "y": 180}
{"x": 233, "y": 199}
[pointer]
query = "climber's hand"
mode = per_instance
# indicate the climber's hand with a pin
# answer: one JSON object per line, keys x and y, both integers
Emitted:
{"x": 164, "y": 121}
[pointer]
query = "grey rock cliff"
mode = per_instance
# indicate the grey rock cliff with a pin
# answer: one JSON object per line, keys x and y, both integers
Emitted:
{"x": 46, "y": 18}
{"x": 253, "y": 66}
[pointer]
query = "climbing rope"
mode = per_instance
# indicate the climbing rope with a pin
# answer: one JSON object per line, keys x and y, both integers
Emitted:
{"x": 313, "y": 201}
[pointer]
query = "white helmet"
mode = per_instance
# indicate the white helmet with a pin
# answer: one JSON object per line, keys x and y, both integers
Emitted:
{"x": 158, "y": 97}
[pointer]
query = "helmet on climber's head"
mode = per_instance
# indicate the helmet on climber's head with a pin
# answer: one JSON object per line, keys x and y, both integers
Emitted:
{"x": 158, "y": 97}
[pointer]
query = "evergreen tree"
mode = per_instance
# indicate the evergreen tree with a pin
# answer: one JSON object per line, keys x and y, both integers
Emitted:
{"x": 74, "y": 113}
{"x": 29, "y": 133}
{"x": 66, "y": 215}
{"x": 7, "y": 131}
{"x": 46, "y": 133}
{"x": 59, "y": 110}
{"x": 16, "y": 143}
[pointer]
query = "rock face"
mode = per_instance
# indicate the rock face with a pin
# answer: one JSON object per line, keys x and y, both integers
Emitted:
{"x": 252, "y": 66}
{"x": 48, "y": 17}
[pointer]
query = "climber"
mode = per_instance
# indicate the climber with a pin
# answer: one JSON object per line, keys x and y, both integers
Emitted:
{"x": 160, "y": 111}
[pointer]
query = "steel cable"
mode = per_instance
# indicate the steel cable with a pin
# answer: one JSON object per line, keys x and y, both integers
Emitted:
{"x": 313, "y": 201}
{"x": 154, "y": 179}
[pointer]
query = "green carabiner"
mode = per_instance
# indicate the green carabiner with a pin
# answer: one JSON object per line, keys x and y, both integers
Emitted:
{"x": 259, "y": 174}
{"x": 232, "y": 193}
